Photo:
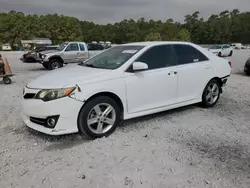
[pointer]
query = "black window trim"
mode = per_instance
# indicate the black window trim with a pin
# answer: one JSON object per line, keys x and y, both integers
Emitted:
{"x": 207, "y": 59}
{"x": 130, "y": 70}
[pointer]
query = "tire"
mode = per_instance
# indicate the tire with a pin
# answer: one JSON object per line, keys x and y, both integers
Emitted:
{"x": 213, "y": 99}
{"x": 45, "y": 66}
{"x": 55, "y": 64}
{"x": 219, "y": 54}
{"x": 231, "y": 53}
{"x": 91, "y": 110}
{"x": 7, "y": 80}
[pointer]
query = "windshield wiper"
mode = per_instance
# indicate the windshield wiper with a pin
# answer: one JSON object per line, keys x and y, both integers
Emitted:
{"x": 87, "y": 65}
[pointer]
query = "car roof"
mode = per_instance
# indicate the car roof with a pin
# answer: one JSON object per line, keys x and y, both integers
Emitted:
{"x": 152, "y": 43}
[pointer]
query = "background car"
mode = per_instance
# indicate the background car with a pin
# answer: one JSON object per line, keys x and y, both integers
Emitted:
{"x": 221, "y": 50}
{"x": 68, "y": 52}
{"x": 93, "y": 46}
{"x": 6, "y": 47}
{"x": 123, "y": 82}
{"x": 247, "y": 67}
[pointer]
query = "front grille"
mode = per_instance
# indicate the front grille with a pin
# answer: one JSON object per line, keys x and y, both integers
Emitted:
{"x": 38, "y": 121}
{"x": 29, "y": 95}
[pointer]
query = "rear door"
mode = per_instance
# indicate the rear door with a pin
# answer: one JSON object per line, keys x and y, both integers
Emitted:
{"x": 194, "y": 70}
{"x": 83, "y": 53}
{"x": 71, "y": 53}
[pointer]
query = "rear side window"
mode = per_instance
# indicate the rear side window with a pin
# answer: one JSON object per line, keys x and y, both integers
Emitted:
{"x": 159, "y": 57}
{"x": 82, "y": 47}
{"x": 188, "y": 54}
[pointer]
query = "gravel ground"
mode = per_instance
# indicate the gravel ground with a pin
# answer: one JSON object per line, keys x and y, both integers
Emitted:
{"x": 186, "y": 147}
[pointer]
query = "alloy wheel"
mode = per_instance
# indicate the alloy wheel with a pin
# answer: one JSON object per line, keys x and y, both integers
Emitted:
{"x": 101, "y": 118}
{"x": 212, "y": 93}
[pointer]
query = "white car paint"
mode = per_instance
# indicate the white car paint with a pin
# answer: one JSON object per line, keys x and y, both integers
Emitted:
{"x": 224, "y": 50}
{"x": 141, "y": 93}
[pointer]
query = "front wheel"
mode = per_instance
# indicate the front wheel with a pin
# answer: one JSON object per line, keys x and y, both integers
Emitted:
{"x": 219, "y": 54}
{"x": 231, "y": 53}
{"x": 55, "y": 64}
{"x": 99, "y": 117}
{"x": 211, "y": 93}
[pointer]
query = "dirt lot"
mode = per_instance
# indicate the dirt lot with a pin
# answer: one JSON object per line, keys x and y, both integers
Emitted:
{"x": 187, "y": 147}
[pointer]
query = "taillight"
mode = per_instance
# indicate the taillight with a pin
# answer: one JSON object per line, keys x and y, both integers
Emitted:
{"x": 229, "y": 62}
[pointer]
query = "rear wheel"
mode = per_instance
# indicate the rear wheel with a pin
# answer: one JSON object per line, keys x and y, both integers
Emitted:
{"x": 99, "y": 117}
{"x": 211, "y": 93}
{"x": 231, "y": 53}
{"x": 6, "y": 80}
{"x": 55, "y": 64}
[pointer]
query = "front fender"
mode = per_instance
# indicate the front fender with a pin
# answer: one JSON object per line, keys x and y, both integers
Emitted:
{"x": 47, "y": 59}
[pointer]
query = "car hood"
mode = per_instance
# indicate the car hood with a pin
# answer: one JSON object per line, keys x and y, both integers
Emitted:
{"x": 68, "y": 77}
{"x": 49, "y": 52}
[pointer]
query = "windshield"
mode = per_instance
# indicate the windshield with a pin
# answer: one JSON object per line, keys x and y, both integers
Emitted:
{"x": 112, "y": 58}
{"x": 216, "y": 47}
{"x": 62, "y": 46}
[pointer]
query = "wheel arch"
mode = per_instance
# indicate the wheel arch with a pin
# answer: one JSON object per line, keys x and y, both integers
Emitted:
{"x": 217, "y": 79}
{"x": 56, "y": 57}
{"x": 111, "y": 95}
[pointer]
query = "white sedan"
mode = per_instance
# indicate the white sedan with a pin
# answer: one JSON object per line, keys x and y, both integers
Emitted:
{"x": 124, "y": 82}
{"x": 222, "y": 50}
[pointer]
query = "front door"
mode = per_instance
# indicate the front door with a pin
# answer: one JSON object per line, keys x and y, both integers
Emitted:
{"x": 71, "y": 53}
{"x": 155, "y": 87}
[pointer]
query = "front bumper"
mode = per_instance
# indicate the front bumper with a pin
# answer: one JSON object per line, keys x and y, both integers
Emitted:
{"x": 67, "y": 108}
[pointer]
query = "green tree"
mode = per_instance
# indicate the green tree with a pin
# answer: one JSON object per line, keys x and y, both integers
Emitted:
{"x": 153, "y": 37}
{"x": 184, "y": 35}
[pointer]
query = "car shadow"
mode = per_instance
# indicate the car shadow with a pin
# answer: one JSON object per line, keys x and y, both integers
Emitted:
{"x": 165, "y": 115}
{"x": 59, "y": 142}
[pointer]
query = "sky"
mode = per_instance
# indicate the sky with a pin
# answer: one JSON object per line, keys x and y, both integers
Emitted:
{"x": 111, "y": 11}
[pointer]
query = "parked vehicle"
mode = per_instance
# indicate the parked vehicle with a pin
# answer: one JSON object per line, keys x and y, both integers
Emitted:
{"x": 237, "y": 46}
{"x": 6, "y": 47}
{"x": 243, "y": 47}
{"x": 31, "y": 57}
{"x": 247, "y": 67}
{"x": 68, "y": 52}
{"x": 121, "y": 83}
{"x": 93, "y": 47}
{"x": 221, "y": 50}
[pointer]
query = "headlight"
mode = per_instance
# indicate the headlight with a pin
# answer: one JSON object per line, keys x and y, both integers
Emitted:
{"x": 43, "y": 56}
{"x": 52, "y": 94}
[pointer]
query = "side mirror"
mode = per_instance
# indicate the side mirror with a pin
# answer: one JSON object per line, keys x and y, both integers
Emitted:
{"x": 138, "y": 66}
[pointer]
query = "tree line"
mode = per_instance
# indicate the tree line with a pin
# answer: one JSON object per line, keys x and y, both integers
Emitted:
{"x": 225, "y": 27}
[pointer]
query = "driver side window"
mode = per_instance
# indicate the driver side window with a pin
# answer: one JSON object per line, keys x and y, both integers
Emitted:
{"x": 72, "y": 47}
